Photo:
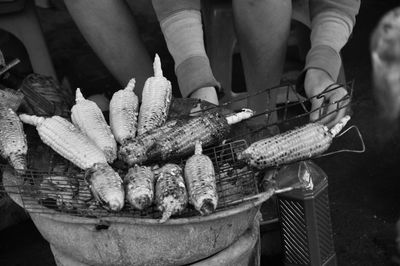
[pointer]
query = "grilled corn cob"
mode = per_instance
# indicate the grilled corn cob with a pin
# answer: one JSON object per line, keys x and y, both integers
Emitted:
{"x": 134, "y": 150}
{"x": 13, "y": 146}
{"x": 209, "y": 128}
{"x": 200, "y": 182}
{"x": 106, "y": 186}
{"x": 11, "y": 98}
{"x": 298, "y": 144}
{"x": 65, "y": 139}
{"x": 156, "y": 100}
{"x": 123, "y": 113}
{"x": 87, "y": 116}
{"x": 139, "y": 187}
{"x": 171, "y": 194}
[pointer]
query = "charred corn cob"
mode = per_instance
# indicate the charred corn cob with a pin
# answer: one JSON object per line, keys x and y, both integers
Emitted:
{"x": 87, "y": 116}
{"x": 11, "y": 98}
{"x": 134, "y": 150}
{"x": 156, "y": 100}
{"x": 123, "y": 113}
{"x": 171, "y": 194}
{"x": 200, "y": 182}
{"x": 106, "y": 186}
{"x": 209, "y": 128}
{"x": 139, "y": 187}
{"x": 65, "y": 139}
{"x": 13, "y": 146}
{"x": 297, "y": 144}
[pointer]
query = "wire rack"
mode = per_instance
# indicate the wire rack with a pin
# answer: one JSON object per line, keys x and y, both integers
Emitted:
{"x": 294, "y": 109}
{"x": 62, "y": 186}
{"x": 52, "y": 183}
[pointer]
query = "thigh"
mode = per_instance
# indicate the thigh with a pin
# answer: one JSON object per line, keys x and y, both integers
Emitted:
{"x": 262, "y": 27}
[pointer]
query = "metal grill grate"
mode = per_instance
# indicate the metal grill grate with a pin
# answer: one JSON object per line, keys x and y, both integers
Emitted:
{"x": 52, "y": 183}
{"x": 292, "y": 110}
{"x": 62, "y": 187}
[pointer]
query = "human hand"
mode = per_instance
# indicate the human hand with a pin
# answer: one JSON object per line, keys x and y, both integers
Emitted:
{"x": 325, "y": 107}
{"x": 208, "y": 94}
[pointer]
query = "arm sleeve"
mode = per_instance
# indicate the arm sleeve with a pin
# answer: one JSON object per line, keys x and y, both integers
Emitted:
{"x": 181, "y": 24}
{"x": 166, "y": 8}
{"x": 332, "y": 22}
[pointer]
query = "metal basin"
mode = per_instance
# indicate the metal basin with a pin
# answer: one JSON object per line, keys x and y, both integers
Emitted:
{"x": 133, "y": 241}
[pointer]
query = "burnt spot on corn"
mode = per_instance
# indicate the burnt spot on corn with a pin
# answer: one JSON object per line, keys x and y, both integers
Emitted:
{"x": 207, "y": 207}
{"x": 133, "y": 152}
{"x": 143, "y": 202}
{"x": 136, "y": 150}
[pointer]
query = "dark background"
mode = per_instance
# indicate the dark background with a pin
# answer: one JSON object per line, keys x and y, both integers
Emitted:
{"x": 363, "y": 188}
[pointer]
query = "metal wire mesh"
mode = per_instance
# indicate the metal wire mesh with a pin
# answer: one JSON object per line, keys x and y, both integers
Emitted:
{"x": 62, "y": 187}
{"x": 52, "y": 183}
{"x": 294, "y": 109}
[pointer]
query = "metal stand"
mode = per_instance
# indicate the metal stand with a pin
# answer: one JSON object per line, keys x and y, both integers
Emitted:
{"x": 245, "y": 251}
{"x": 305, "y": 220}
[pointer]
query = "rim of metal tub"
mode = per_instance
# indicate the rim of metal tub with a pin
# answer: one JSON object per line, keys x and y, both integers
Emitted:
{"x": 10, "y": 182}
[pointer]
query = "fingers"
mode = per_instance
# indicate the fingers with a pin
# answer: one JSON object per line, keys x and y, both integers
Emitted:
{"x": 316, "y": 108}
{"x": 336, "y": 108}
{"x": 340, "y": 113}
{"x": 196, "y": 110}
{"x": 208, "y": 94}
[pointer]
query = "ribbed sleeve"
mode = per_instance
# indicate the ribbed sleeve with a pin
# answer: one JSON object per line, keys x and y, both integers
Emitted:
{"x": 165, "y": 8}
{"x": 195, "y": 73}
{"x": 181, "y": 24}
{"x": 332, "y": 22}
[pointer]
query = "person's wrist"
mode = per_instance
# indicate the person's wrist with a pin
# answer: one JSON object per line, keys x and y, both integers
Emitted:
{"x": 316, "y": 78}
{"x": 318, "y": 75}
{"x": 208, "y": 94}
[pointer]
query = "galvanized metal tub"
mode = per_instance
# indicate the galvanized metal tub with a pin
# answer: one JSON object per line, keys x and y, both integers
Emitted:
{"x": 138, "y": 241}
{"x": 244, "y": 251}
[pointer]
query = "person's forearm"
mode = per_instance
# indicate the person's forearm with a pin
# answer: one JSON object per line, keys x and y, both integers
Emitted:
{"x": 181, "y": 24}
{"x": 332, "y": 22}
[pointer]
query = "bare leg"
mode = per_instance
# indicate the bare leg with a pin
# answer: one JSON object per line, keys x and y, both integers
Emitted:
{"x": 110, "y": 29}
{"x": 26, "y": 27}
{"x": 263, "y": 28}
